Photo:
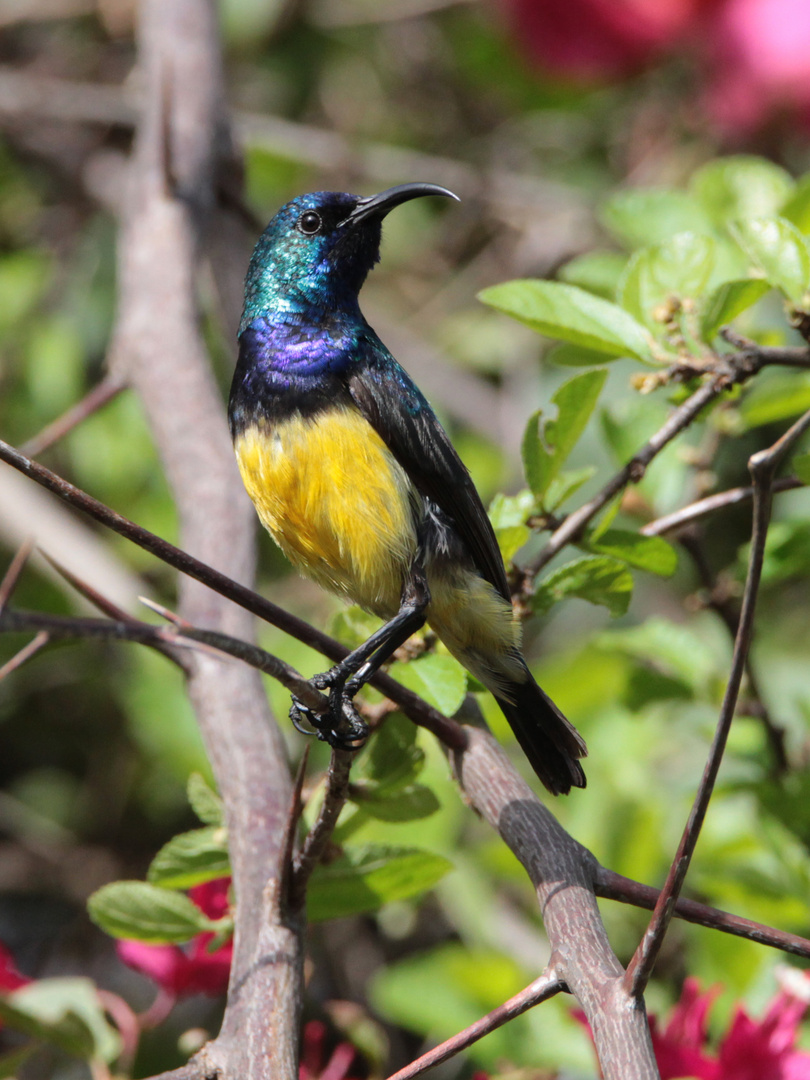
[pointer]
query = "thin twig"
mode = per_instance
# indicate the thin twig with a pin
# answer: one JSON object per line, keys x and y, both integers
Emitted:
{"x": 286, "y": 904}
{"x": 727, "y": 371}
{"x": 97, "y": 599}
{"x": 315, "y": 844}
{"x": 417, "y": 710}
{"x": 614, "y": 886}
{"x": 544, "y": 987}
{"x": 573, "y": 526}
{"x": 710, "y": 505}
{"x": 25, "y": 654}
{"x": 105, "y": 391}
{"x": 608, "y": 884}
{"x": 762, "y": 466}
{"x": 61, "y": 627}
{"x": 721, "y": 603}
{"x": 15, "y": 569}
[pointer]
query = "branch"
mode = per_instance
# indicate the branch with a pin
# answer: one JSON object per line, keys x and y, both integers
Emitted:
{"x": 614, "y": 886}
{"x": 563, "y": 874}
{"x": 334, "y": 799}
{"x": 182, "y": 635}
{"x": 763, "y": 466}
{"x": 448, "y": 731}
{"x": 719, "y": 601}
{"x": 181, "y": 151}
{"x": 687, "y": 515}
{"x": 543, "y": 988}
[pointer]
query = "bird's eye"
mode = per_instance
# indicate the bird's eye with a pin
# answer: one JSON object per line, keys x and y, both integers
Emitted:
{"x": 309, "y": 223}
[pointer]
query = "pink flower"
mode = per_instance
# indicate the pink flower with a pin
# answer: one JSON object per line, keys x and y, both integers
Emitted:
{"x": 679, "y": 1047}
{"x": 10, "y": 978}
{"x": 192, "y": 968}
{"x": 597, "y": 40}
{"x": 751, "y": 56}
{"x": 314, "y": 1063}
{"x": 759, "y": 62}
{"x": 750, "y": 1049}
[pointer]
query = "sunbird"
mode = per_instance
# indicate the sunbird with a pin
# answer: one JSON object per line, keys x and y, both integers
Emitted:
{"x": 358, "y": 483}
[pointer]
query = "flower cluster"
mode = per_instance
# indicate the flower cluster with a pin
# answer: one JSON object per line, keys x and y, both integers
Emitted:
{"x": 10, "y": 978}
{"x": 753, "y": 56}
{"x": 316, "y": 1064}
{"x": 749, "y": 1050}
{"x": 193, "y": 968}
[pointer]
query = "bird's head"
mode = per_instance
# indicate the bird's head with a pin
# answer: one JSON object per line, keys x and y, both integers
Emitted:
{"x": 316, "y": 252}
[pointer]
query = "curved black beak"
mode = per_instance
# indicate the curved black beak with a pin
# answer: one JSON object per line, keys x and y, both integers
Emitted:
{"x": 379, "y": 205}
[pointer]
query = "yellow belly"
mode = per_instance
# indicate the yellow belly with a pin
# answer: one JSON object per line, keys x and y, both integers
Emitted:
{"x": 336, "y": 502}
{"x": 341, "y": 508}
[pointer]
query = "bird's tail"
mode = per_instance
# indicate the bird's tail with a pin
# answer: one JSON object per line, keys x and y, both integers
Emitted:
{"x": 550, "y": 742}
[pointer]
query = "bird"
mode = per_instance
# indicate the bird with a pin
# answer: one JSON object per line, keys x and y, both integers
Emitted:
{"x": 358, "y": 483}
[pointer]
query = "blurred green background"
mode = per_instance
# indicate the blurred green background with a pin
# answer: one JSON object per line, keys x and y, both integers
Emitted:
{"x": 97, "y": 741}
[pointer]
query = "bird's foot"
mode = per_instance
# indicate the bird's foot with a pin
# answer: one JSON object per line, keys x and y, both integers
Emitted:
{"x": 341, "y": 725}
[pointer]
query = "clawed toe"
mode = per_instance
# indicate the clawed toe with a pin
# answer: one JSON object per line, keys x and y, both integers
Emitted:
{"x": 341, "y": 726}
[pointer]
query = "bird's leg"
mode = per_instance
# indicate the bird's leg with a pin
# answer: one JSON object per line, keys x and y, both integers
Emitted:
{"x": 352, "y": 673}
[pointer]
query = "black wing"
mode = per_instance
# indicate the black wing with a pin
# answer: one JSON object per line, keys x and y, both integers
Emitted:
{"x": 398, "y": 411}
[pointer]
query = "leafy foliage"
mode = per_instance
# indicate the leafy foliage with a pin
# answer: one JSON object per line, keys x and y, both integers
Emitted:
{"x": 98, "y": 741}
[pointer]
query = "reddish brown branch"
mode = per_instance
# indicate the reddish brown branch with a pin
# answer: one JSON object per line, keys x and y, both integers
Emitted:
{"x": 614, "y": 886}
{"x": 450, "y": 733}
{"x": 334, "y": 799}
{"x": 543, "y": 988}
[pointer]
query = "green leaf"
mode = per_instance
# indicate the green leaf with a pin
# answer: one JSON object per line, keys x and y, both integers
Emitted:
{"x": 797, "y": 207}
{"x": 596, "y": 271}
{"x": 776, "y": 398}
{"x": 787, "y": 552}
{"x": 393, "y": 758}
{"x": 671, "y": 648}
{"x": 545, "y": 452}
{"x": 801, "y": 467}
{"x": 606, "y": 519}
{"x": 651, "y": 553}
{"x": 141, "y": 911}
{"x": 680, "y": 267}
{"x": 571, "y": 314}
{"x": 646, "y": 685}
{"x": 509, "y": 510}
{"x": 509, "y": 514}
{"x": 23, "y": 278}
{"x": 65, "y": 1012}
{"x": 191, "y": 858}
{"x": 352, "y": 626}
{"x": 651, "y": 215}
{"x": 598, "y": 579}
{"x": 440, "y": 680}
{"x": 205, "y": 802}
{"x": 564, "y": 355}
{"x": 728, "y": 301}
{"x": 741, "y": 187}
{"x": 403, "y": 804}
{"x": 363, "y": 879}
{"x": 511, "y": 539}
{"x": 779, "y": 250}
{"x": 566, "y": 484}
